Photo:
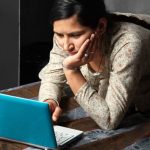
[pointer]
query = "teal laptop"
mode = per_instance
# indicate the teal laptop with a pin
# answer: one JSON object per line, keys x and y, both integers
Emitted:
{"x": 29, "y": 121}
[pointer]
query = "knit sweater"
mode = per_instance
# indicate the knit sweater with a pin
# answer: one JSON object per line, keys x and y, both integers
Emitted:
{"x": 124, "y": 82}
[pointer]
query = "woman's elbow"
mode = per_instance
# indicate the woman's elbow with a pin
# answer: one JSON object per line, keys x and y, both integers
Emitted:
{"x": 107, "y": 125}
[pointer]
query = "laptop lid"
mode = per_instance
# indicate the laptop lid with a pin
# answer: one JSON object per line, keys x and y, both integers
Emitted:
{"x": 26, "y": 121}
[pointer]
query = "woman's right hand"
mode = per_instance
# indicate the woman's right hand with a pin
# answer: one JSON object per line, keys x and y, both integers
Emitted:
{"x": 55, "y": 109}
{"x": 78, "y": 59}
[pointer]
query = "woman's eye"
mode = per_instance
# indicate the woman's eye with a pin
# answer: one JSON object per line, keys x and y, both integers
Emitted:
{"x": 60, "y": 35}
{"x": 76, "y": 35}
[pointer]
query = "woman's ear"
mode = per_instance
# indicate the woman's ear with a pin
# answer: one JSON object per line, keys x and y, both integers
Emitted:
{"x": 102, "y": 25}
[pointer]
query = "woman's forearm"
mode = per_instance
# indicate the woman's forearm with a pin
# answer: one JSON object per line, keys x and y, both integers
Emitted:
{"x": 75, "y": 79}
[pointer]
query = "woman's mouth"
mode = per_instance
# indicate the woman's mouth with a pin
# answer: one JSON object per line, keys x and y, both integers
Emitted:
{"x": 72, "y": 53}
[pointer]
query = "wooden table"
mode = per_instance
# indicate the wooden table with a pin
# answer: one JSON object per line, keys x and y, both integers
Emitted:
{"x": 115, "y": 142}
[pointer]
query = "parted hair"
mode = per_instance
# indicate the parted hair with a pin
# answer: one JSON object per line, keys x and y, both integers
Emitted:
{"x": 88, "y": 11}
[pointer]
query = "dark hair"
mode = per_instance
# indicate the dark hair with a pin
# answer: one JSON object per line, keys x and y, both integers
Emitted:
{"x": 88, "y": 11}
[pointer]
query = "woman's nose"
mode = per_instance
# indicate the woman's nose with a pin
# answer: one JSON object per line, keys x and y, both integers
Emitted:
{"x": 67, "y": 46}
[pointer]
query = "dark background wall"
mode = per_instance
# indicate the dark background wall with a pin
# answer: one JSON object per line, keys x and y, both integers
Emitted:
{"x": 35, "y": 39}
{"x": 22, "y": 58}
{"x": 9, "y": 43}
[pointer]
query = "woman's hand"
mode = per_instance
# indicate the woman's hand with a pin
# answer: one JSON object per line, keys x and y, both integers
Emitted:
{"x": 55, "y": 109}
{"x": 84, "y": 55}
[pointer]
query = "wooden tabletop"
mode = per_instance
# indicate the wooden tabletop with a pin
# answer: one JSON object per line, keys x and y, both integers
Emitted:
{"x": 122, "y": 140}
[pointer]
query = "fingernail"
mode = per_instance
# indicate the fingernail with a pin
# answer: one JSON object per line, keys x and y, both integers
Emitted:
{"x": 87, "y": 40}
{"x": 54, "y": 118}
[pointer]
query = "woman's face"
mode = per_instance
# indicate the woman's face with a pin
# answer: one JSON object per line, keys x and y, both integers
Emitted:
{"x": 70, "y": 35}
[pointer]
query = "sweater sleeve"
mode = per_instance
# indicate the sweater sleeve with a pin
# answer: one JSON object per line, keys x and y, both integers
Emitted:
{"x": 109, "y": 109}
{"x": 52, "y": 75}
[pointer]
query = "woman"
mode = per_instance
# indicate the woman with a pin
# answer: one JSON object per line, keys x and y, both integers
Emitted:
{"x": 105, "y": 63}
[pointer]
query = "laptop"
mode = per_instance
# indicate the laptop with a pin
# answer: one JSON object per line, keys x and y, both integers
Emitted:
{"x": 29, "y": 122}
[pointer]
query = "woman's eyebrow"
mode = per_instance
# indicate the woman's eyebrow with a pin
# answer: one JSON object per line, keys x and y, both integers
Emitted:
{"x": 71, "y": 33}
{"x": 76, "y": 32}
{"x": 57, "y": 32}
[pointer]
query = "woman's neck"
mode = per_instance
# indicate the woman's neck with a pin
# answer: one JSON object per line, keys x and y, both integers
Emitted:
{"x": 97, "y": 64}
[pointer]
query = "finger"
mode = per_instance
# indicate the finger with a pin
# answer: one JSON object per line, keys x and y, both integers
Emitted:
{"x": 91, "y": 43}
{"x": 84, "y": 51}
{"x": 95, "y": 46}
{"x": 91, "y": 48}
{"x": 56, "y": 113}
{"x": 52, "y": 104}
{"x": 95, "y": 41}
{"x": 91, "y": 55}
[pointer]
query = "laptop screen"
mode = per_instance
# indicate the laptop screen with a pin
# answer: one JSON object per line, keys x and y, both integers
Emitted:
{"x": 26, "y": 121}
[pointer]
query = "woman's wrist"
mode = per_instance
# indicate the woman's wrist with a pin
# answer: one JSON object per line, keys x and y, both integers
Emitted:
{"x": 65, "y": 67}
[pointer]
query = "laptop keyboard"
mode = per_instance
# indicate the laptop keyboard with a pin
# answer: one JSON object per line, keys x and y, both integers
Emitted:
{"x": 62, "y": 137}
